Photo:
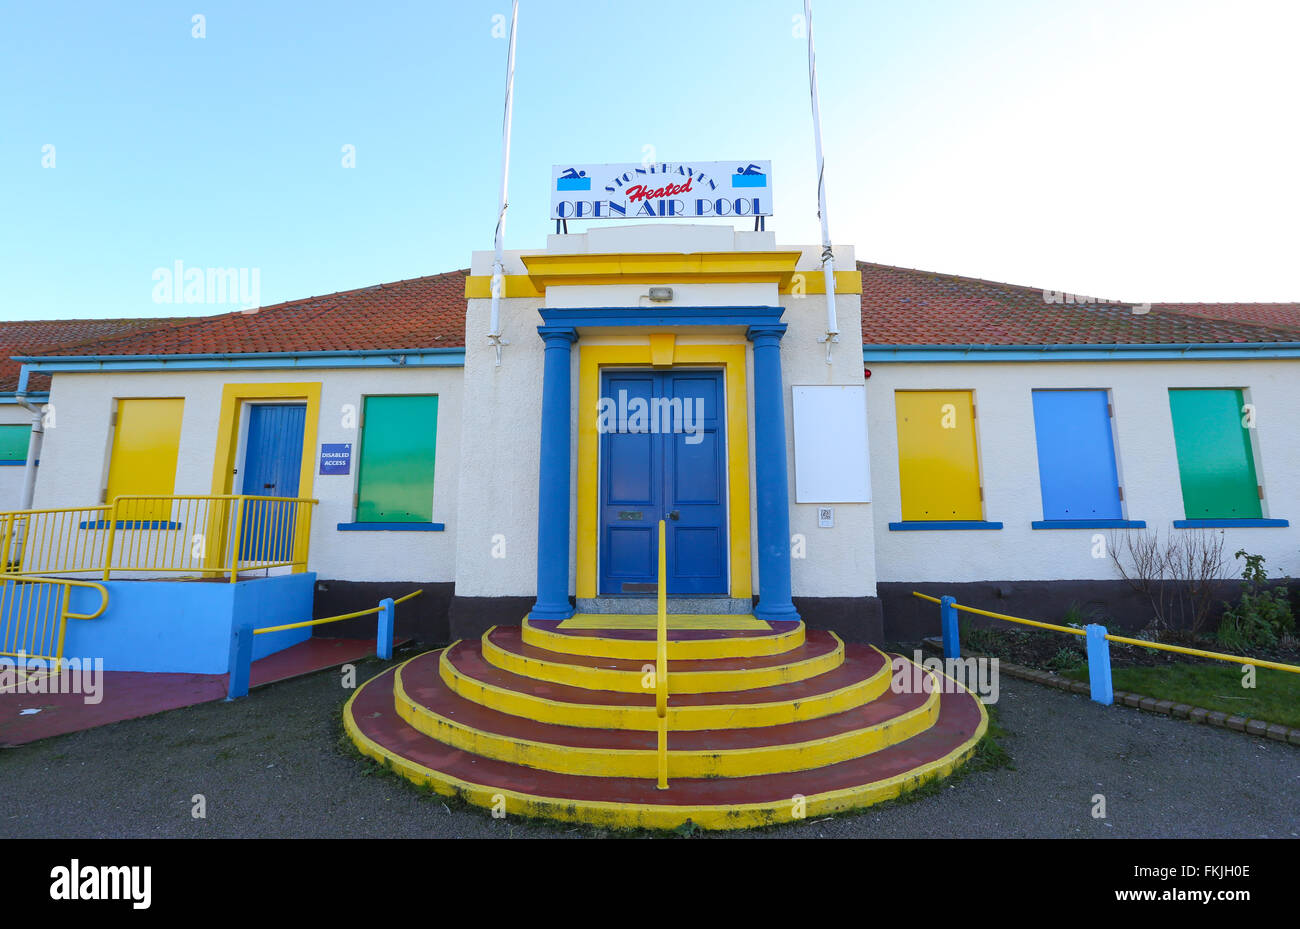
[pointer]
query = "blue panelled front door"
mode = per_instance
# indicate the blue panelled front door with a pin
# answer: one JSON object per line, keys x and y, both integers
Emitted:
{"x": 662, "y": 456}
{"x": 272, "y": 465}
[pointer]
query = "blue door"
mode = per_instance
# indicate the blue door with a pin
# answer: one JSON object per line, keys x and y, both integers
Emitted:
{"x": 272, "y": 465}
{"x": 663, "y": 457}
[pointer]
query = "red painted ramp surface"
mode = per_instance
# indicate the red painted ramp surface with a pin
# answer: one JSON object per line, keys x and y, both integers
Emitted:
{"x": 131, "y": 694}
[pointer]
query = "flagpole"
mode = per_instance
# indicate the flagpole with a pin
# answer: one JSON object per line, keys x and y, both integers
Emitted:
{"x": 498, "y": 264}
{"x": 828, "y": 256}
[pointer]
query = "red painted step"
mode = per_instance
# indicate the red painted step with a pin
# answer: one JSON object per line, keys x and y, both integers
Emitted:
{"x": 860, "y": 663}
{"x": 374, "y": 714}
{"x": 818, "y": 643}
{"x": 425, "y": 687}
{"x": 779, "y": 627}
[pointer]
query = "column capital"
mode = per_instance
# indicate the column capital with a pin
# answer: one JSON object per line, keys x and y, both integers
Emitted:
{"x": 766, "y": 332}
{"x": 553, "y": 335}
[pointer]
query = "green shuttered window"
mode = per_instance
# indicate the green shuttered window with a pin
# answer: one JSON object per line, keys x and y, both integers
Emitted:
{"x": 13, "y": 443}
{"x": 1215, "y": 462}
{"x": 395, "y": 476}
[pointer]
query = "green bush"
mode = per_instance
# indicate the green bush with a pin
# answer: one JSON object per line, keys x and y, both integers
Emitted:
{"x": 1262, "y": 616}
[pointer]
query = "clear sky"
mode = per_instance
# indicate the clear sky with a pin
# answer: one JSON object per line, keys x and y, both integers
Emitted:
{"x": 1135, "y": 150}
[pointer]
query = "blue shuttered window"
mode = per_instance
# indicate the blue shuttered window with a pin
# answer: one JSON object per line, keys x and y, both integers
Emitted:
{"x": 1076, "y": 456}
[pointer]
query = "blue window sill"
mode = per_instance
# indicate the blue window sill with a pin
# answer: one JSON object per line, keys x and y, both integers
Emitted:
{"x": 1089, "y": 524}
{"x": 130, "y": 524}
{"x": 922, "y": 525}
{"x": 391, "y": 527}
{"x": 1230, "y": 523}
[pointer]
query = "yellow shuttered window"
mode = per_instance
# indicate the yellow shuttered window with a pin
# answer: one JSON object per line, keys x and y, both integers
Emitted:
{"x": 937, "y": 460}
{"x": 146, "y": 441}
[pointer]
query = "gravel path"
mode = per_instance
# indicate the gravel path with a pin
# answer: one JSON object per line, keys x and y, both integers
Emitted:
{"x": 272, "y": 765}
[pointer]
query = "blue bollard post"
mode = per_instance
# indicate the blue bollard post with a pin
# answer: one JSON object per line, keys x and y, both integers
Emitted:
{"x": 1099, "y": 665}
{"x": 384, "y": 639}
{"x": 241, "y": 661}
{"x": 951, "y": 637}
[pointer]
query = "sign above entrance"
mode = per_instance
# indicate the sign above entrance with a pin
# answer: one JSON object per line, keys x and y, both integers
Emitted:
{"x": 662, "y": 190}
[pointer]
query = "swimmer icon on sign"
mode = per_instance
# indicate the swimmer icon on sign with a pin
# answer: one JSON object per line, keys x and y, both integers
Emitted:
{"x": 750, "y": 176}
{"x": 573, "y": 179}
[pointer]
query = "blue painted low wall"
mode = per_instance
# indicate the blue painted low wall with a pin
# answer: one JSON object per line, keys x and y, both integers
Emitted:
{"x": 186, "y": 626}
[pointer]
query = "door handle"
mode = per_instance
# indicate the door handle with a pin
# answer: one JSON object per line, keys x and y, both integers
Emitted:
{"x": 675, "y": 515}
{"x": 268, "y": 487}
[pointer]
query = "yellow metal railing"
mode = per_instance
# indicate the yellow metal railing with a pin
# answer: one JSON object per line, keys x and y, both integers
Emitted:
{"x": 1161, "y": 646}
{"x": 335, "y": 619}
{"x": 207, "y": 536}
{"x": 661, "y": 660}
{"x": 34, "y": 614}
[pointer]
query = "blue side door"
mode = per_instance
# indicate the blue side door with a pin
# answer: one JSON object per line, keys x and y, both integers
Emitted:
{"x": 672, "y": 467}
{"x": 272, "y": 465}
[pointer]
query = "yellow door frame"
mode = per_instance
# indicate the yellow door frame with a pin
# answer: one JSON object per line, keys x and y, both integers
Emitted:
{"x": 233, "y": 397}
{"x": 656, "y": 351}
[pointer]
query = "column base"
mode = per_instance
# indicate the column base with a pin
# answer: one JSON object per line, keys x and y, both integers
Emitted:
{"x": 782, "y": 611}
{"x": 551, "y": 610}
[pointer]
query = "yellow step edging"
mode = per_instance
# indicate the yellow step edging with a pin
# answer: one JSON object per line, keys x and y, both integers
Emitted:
{"x": 679, "y": 682}
{"x": 678, "y": 650}
{"x": 680, "y": 718}
{"x": 656, "y": 816}
{"x": 616, "y": 762}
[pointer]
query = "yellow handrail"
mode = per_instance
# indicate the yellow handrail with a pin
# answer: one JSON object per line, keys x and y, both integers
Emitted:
{"x": 335, "y": 619}
{"x": 26, "y": 622}
{"x": 661, "y": 660}
{"x": 1180, "y": 649}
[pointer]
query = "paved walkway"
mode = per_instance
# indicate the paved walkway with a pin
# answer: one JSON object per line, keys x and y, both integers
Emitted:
{"x": 272, "y": 765}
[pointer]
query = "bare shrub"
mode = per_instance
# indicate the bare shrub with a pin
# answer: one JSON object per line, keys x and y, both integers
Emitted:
{"x": 1179, "y": 575}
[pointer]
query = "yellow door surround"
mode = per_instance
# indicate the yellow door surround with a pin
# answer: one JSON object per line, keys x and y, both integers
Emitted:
{"x": 233, "y": 397}
{"x": 646, "y": 353}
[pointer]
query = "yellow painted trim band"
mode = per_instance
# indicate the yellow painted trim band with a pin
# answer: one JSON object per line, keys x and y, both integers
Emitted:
{"x": 723, "y": 622}
{"x": 679, "y": 682}
{"x": 731, "y": 358}
{"x": 644, "y": 718}
{"x": 643, "y": 763}
{"x": 479, "y": 286}
{"x": 657, "y": 816}
{"x": 678, "y": 650}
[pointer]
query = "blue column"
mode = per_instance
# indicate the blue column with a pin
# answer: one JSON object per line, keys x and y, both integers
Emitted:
{"x": 553, "y": 484}
{"x": 386, "y": 624}
{"x": 772, "y": 488}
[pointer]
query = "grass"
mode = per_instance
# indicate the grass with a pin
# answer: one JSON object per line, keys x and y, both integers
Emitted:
{"x": 1275, "y": 697}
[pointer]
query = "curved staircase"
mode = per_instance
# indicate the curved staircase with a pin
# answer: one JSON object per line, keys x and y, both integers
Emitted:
{"x": 768, "y": 722}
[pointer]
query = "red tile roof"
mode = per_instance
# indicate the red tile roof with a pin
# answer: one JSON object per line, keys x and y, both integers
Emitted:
{"x": 36, "y": 336}
{"x": 423, "y": 312}
{"x": 901, "y": 306}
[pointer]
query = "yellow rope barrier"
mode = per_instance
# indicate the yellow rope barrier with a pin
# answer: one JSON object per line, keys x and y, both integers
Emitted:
{"x": 1182, "y": 650}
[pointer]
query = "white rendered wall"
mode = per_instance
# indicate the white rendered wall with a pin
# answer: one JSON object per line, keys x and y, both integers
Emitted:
{"x": 74, "y": 464}
{"x": 1145, "y": 453}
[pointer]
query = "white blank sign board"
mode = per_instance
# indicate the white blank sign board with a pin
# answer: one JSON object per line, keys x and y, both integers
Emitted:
{"x": 830, "y": 445}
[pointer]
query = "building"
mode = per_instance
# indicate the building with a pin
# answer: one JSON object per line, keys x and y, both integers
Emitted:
{"x": 1003, "y": 429}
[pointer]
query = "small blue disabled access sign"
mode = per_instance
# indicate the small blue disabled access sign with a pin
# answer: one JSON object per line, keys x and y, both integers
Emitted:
{"x": 336, "y": 458}
{"x": 662, "y": 190}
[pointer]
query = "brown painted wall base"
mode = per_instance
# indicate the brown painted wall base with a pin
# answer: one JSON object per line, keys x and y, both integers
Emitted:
{"x": 470, "y": 617}
{"x": 423, "y": 619}
{"x": 853, "y": 619}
